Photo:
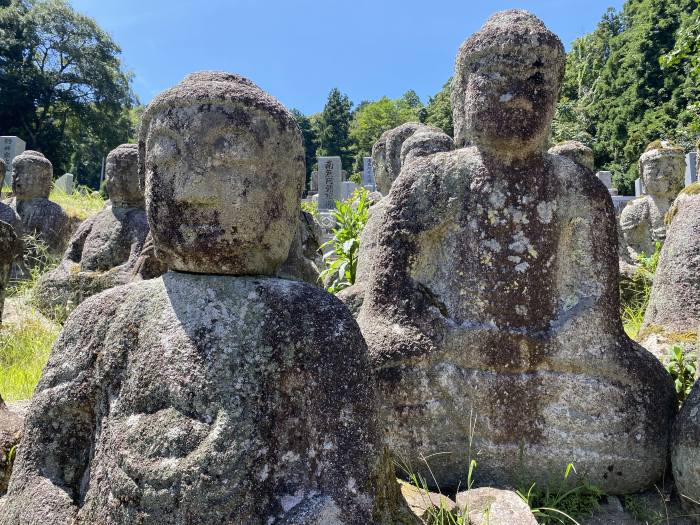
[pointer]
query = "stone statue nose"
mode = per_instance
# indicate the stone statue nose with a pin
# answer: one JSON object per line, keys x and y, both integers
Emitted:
{"x": 195, "y": 188}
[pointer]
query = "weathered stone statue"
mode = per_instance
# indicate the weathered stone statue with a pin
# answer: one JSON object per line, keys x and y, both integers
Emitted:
{"x": 10, "y": 249}
{"x": 304, "y": 258}
{"x": 386, "y": 152}
{"x": 493, "y": 293}
{"x": 673, "y": 313}
{"x": 31, "y": 184}
{"x": 103, "y": 252}
{"x": 576, "y": 151}
{"x": 661, "y": 168}
{"x": 216, "y": 393}
{"x": 685, "y": 452}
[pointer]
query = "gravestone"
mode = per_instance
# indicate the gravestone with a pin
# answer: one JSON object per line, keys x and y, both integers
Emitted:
{"x": 346, "y": 189}
{"x": 690, "y": 168}
{"x": 329, "y": 180}
{"x": 606, "y": 178}
{"x": 638, "y": 188}
{"x": 368, "y": 174}
{"x": 11, "y": 147}
{"x": 65, "y": 183}
{"x": 314, "y": 182}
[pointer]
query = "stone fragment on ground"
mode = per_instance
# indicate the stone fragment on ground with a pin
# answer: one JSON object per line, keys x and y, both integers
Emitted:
{"x": 426, "y": 504}
{"x": 489, "y": 506}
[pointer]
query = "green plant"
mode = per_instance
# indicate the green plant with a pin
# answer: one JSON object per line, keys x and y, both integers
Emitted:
{"x": 564, "y": 501}
{"x": 24, "y": 348}
{"x": 39, "y": 260}
{"x": 81, "y": 204}
{"x": 637, "y": 292}
{"x": 682, "y": 368}
{"x": 341, "y": 261}
{"x": 310, "y": 207}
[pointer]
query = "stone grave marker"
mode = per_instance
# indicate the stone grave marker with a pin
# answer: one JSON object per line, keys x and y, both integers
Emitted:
{"x": 346, "y": 189}
{"x": 11, "y": 147}
{"x": 691, "y": 174}
{"x": 605, "y": 177}
{"x": 368, "y": 173}
{"x": 65, "y": 183}
{"x": 329, "y": 179}
{"x": 638, "y": 188}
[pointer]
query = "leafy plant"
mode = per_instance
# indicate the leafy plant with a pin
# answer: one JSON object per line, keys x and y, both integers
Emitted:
{"x": 638, "y": 291}
{"x": 341, "y": 261}
{"x": 682, "y": 368}
{"x": 310, "y": 207}
{"x": 562, "y": 502}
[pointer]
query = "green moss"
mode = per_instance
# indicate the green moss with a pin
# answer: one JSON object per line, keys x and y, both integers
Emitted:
{"x": 692, "y": 189}
{"x": 664, "y": 145}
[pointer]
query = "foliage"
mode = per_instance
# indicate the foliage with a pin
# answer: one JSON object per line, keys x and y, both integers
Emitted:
{"x": 333, "y": 128}
{"x": 371, "y": 119}
{"x": 687, "y": 46}
{"x": 341, "y": 261}
{"x": 310, "y": 207}
{"x": 617, "y": 98}
{"x": 682, "y": 368}
{"x": 562, "y": 502}
{"x": 308, "y": 134}
{"x": 25, "y": 345}
{"x": 39, "y": 260}
{"x": 638, "y": 291}
{"x": 63, "y": 88}
{"x": 439, "y": 110}
{"x": 81, "y": 204}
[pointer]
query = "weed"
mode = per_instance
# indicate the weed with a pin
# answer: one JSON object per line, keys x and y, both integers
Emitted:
{"x": 39, "y": 261}
{"x": 81, "y": 204}
{"x": 341, "y": 262}
{"x": 681, "y": 366}
{"x": 637, "y": 293}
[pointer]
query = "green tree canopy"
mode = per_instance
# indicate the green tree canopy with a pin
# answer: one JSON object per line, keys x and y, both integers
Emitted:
{"x": 308, "y": 133}
{"x": 62, "y": 85}
{"x": 333, "y": 128}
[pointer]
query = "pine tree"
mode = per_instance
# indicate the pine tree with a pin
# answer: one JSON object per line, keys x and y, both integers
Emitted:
{"x": 334, "y": 128}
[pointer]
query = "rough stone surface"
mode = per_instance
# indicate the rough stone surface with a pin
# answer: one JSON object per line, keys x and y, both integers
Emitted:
{"x": 673, "y": 312}
{"x": 105, "y": 249}
{"x": 386, "y": 153}
{"x": 493, "y": 293}
{"x": 662, "y": 170}
{"x": 31, "y": 183}
{"x": 304, "y": 259}
{"x": 422, "y": 503}
{"x": 489, "y": 506}
{"x": 685, "y": 450}
{"x": 254, "y": 137}
{"x": 576, "y": 151}
{"x": 10, "y": 434}
{"x": 10, "y": 249}
{"x": 201, "y": 398}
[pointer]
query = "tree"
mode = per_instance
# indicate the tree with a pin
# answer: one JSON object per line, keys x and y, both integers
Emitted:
{"x": 333, "y": 128}
{"x": 371, "y": 119}
{"x": 62, "y": 85}
{"x": 438, "y": 112}
{"x": 310, "y": 143}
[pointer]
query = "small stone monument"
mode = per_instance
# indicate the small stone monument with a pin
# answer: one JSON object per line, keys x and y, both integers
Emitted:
{"x": 216, "y": 393}
{"x": 346, "y": 189}
{"x": 8, "y": 214}
{"x": 493, "y": 294}
{"x": 65, "y": 183}
{"x": 11, "y": 147}
{"x": 32, "y": 174}
{"x": 661, "y": 169}
{"x": 368, "y": 174}
{"x": 104, "y": 250}
{"x": 673, "y": 312}
{"x": 691, "y": 174}
{"x": 314, "y": 182}
{"x": 638, "y": 188}
{"x": 329, "y": 181}
{"x": 606, "y": 178}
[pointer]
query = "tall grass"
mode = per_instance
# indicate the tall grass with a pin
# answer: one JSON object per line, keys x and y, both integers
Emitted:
{"x": 638, "y": 293}
{"x": 25, "y": 345}
{"x": 81, "y": 204}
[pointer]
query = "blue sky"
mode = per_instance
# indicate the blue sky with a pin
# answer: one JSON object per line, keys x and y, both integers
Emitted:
{"x": 297, "y": 50}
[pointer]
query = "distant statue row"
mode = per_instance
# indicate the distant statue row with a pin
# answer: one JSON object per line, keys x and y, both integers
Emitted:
{"x": 488, "y": 322}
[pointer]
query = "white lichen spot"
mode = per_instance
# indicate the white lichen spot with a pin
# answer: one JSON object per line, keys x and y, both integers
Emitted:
{"x": 520, "y": 243}
{"x": 328, "y": 445}
{"x": 290, "y": 457}
{"x": 506, "y": 97}
{"x": 497, "y": 199}
{"x": 289, "y": 501}
{"x": 545, "y": 211}
{"x": 492, "y": 244}
{"x": 518, "y": 216}
{"x": 520, "y": 309}
{"x": 352, "y": 485}
{"x": 264, "y": 472}
{"x": 514, "y": 258}
{"x": 521, "y": 267}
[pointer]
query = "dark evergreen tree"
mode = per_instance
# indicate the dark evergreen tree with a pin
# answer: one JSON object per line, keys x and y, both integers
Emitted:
{"x": 334, "y": 128}
{"x": 310, "y": 144}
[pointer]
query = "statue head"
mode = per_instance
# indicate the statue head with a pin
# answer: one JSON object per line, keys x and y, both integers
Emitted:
{"x": 223, "y": 168}
{"x": 506, "y": 84}
{"x": 122, "y": 177}
{"x": 32, "y": 174}
{"x": 576, "y": 151}
{"x": 662, "y": 169}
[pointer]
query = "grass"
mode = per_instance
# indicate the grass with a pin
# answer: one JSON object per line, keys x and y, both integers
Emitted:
{"x": 81, "y": 204}
{"x": 25, "y": 345}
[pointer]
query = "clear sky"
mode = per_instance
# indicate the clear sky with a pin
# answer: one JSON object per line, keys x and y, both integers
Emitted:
{"x": 297, "y": 50}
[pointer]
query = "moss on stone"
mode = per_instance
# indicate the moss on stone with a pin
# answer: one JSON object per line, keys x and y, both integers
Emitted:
{"x": 663, "y": 145}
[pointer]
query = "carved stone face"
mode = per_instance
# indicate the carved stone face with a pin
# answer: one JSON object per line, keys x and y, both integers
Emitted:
{"x": 32, "y": 174}
{"x": 222, "y": 188}
{"x": 504, "y": 95}
{"x": 662, "y": 171}
{"x": 122, "y": 177}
